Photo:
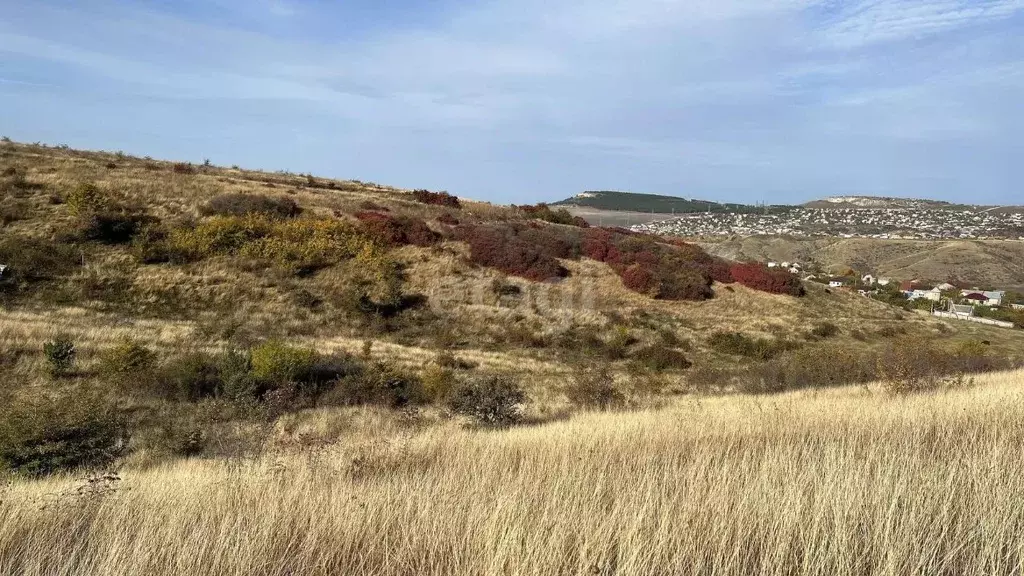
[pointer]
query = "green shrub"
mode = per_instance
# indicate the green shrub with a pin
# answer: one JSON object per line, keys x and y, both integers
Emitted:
{"x": 378, "y": 384}
{"x": 150, "y": 246}
{"x": 44, "y": 436}
{"x": 298, "y": 245}
{"x": 594, "y": 387}
{"x": 190, "y": 378}
{"x": 128, "y": 362}
{"x": 824, "y": 330}
{"x": 737, "y": 344}
{"x": 86, "y": 198}
{"x": 235, "y": 368}
{"x": 494, "y": 400}
{"x": 438, "y": 383}
{"x": 60, "y": 355}
{"x": 275, "y": 362}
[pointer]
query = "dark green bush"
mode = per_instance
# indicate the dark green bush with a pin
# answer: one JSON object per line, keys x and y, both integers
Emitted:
{"x": 60, "y": 355}
{"x": 44, "y": 436}
{"x": 494, "y": 400}
{"x": 112, "y": 227}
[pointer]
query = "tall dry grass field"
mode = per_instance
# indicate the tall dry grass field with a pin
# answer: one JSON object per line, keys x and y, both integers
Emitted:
{"x": 851, "y": 481}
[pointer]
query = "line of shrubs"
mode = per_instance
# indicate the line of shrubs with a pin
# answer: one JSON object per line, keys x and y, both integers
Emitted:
{"x": 436, "y": 198}
{"x": 560, "y": 216}
{"x": 88, "y": 428}
{"x": 912, "y": 366}
{"x": 646, "y": 264}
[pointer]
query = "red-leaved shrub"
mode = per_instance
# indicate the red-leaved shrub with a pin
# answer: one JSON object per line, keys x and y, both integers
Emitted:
{"x": 436, "y": 198}
{"x": 397, "y": 230}
{"x": 501, "y": 248}
{"x": 759, "y": 277}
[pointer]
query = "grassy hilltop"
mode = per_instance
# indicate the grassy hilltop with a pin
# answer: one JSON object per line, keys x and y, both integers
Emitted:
{"x": 224, "y": 371}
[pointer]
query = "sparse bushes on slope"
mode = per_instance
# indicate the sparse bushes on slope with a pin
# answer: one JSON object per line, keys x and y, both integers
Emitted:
{"x": 239, "y": 204}
{"x": 738, "y": 344}
{"x": 436, "y": 198}
{"x": 32, "y": 262}
{"x": 560, "y": 216}
{"x": 41, "y": 435}
{"x": 298, "y": 245}
{"x": 824, "y": 330}
{"x": 594, "y": 387}
{"x": 659, "y": 357}
{"x": 912, "y": 366}
{"x": 101, "y": 218}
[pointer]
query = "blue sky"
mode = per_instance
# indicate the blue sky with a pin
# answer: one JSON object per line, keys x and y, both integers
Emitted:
{"x": 529, "y": 100}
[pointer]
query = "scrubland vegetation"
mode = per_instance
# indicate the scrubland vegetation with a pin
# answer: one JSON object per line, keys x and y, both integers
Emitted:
{"x": 219, "y": 371}
{"x": 854, "y": 481}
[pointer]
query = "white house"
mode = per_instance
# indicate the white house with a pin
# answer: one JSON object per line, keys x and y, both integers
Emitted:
{"x": 3, "y": 269}
{"x": 773, "y": 264}
{"x": 836, "y": 284}
{"x": 884, "y": 281}
{"x": 985, "y": 298}
{"x": 946, "y": 286}
{"x": 934, "y": 295}
{"x": 868, "y": 279}
{"x": 1017, "y": 306}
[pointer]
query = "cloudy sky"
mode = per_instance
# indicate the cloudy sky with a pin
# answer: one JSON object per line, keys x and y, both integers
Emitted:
{"x": 528, "y": 100}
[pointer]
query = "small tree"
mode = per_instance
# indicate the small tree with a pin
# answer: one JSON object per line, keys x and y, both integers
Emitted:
{"x": 60, "y": 355}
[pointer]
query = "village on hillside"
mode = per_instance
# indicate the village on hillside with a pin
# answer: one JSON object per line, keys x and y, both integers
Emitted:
{"x": 972, "y": 223}
{"x": 954, "y": 300}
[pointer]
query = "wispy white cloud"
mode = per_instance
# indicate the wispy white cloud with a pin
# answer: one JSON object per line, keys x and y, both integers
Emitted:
{"x": 875, "y": 21}
{"x": 789, "y": 94}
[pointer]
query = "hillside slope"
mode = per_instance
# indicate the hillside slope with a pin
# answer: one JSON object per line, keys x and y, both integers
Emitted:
{"x": 996, "y": 263}
{"x": 197, "y": 306}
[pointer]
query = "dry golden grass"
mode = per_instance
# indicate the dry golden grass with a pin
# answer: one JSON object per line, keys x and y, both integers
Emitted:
{"x": 851, "y": 481}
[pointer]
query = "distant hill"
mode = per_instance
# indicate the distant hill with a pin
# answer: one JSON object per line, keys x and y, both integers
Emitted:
{"x": 880, "y": 202}
{"x": 634, "y": 202}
